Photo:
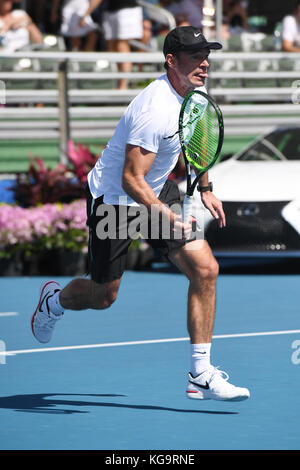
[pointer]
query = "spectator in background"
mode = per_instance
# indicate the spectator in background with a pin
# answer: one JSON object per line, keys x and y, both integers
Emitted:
{"x": 78, "y": 35}
{"x": 40, "y": 12}
{"x": 191, "y": 8}
{"x": 182, "y": 20}
{"x": 235, "y": 14}
{"x": 148, "y": 38}
{"x": 17, "y": 29}
{"x": 36, "y": 9}
{"x": 172, "y": 6}
{"x": 193, "y": 11}
{"x": 291, "y": 31}
{"x": 235, "y": 26}
{"x": 122, "y": 21}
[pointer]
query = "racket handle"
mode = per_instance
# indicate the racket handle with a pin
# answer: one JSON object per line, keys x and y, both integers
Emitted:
{"x": 187, "y": 208}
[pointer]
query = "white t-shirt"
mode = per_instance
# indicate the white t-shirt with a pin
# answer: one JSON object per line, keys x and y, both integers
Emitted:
{"x": 291, "y": 30}
{"x": 151, "y": 122}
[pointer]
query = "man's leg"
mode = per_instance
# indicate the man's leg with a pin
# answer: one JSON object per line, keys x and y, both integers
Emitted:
{"x": 81, "y": 294}
{"x": 197, "y": 262}
{"x": 107, "y": 262}
{"x": 205, "y": 382}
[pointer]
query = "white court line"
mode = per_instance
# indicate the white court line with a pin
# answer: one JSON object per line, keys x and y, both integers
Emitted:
{"x": 148, "y": 341}
{"x": 8, "y": 314}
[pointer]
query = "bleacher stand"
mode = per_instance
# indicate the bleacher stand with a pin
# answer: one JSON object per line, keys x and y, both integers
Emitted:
{"x": 251, "y": 79}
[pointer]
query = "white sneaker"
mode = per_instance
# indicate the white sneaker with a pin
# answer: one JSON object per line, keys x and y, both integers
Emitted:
{"x": 43, "y": 320}
{"x": 212, "y": 384}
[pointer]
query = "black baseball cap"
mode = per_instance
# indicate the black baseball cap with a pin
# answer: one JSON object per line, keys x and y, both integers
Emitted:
{"x": 187, "y": 38}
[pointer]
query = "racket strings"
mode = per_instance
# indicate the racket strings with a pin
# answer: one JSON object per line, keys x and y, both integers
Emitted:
{"x": 201, "y": 134}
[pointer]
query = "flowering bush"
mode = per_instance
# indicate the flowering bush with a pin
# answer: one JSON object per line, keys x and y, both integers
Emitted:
{"x": 40, "y": 185}
{"x": 64, "y": 183}
{"x": 51, "y": 226}
{"x": 82, "y": 159}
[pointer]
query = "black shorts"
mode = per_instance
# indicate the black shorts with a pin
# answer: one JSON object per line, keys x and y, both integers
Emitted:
{"x": 107, "y": 256}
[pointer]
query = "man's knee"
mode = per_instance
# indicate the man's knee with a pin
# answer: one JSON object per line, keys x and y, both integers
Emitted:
{"x": 214, "y": 268}
{"x": 197, "y": 262}
{"x": 105, "y": 295}
{"x": 208, "y": 271}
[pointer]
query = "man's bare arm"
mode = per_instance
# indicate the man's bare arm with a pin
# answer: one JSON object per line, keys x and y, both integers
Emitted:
{"x": 138, "y": 162}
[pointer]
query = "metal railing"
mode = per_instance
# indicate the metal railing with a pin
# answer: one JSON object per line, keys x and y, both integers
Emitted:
{"x": 100, "y": 108}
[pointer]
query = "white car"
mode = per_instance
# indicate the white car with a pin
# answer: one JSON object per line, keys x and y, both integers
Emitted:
{"x": 260, "y": 191}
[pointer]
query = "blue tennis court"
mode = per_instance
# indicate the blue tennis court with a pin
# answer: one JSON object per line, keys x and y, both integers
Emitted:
{"x": 116, "y": 379}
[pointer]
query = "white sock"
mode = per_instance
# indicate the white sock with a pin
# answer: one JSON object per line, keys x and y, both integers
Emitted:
{"x": 55, "y": 305}
{"x": 200, "y": 358}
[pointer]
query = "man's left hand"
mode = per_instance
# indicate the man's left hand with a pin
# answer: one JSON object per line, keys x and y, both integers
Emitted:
{"x": 215, "y": 207}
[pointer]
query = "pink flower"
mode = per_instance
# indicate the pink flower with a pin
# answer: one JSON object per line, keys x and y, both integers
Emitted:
{"x": 19, "y": 226}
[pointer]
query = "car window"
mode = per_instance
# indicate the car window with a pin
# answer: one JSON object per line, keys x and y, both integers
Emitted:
{"x": 279, "y": 145}
{"x": 260, "y": 151}
{"x": 287, "y": 142}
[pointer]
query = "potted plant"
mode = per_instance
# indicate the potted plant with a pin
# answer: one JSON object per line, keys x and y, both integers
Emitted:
{"x": 15, "y": 237}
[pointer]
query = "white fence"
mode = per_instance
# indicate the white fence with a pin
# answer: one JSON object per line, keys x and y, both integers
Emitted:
{"x": 80, "y": 100}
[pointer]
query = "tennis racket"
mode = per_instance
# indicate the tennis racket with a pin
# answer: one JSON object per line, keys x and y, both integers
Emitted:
{"x": 201, "y": 133}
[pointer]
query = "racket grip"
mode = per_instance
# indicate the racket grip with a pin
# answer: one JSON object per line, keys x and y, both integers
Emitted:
{"x": 187, "y": 208}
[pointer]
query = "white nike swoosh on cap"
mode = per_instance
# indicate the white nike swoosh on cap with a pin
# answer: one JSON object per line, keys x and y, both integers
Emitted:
{"x": 196, "y": 34}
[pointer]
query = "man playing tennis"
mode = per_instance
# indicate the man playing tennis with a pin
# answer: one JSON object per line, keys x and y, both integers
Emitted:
{"x": 134, "y": 169}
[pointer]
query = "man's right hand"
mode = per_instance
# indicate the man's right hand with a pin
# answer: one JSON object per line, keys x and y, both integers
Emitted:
{"x": 182, "y": 229}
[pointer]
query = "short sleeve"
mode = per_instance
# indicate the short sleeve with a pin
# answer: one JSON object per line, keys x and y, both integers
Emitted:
{"x": 146, "y": 130}
{"x": 288, "y": 29}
